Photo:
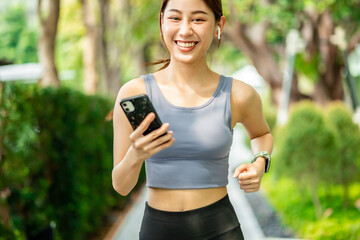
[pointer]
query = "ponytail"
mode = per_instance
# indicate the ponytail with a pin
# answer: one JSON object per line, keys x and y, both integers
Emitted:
{"x": 166, "y": 63}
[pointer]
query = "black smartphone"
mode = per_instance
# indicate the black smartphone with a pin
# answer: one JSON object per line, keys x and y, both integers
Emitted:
{"x": 136, "y": 108}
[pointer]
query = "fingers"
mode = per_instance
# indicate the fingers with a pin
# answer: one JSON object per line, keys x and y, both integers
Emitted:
{"x": 248, "y": 181}
{"x": 146, "y": 150}
{"x": 163, "y": 146}
{"x": 142, "y": 127}
{"x": 249, "y": 178}
{"x": 240, "y": 169}
{"x": 142, "y": 141}
{"x": 251, "y": 187}
{"x": 158, "y": 141}
{"x": 251, "y": 190}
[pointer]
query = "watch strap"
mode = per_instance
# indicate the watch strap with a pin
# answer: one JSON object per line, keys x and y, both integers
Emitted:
{"x": 267, "y": 158}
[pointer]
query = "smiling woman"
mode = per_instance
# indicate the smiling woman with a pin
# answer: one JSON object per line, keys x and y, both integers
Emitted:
{"x": 187, "y": 177}
{"x": 212, "y": 11}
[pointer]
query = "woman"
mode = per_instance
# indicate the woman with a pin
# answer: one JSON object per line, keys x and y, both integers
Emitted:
{"x": 187, "y": 177}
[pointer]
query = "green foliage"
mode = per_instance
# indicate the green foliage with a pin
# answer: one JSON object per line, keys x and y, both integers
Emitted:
{"x": 306, "y": 149}
{"x": 56, "y": 161}
{"x": 357, "y": 83}
{"x": 348, "y": 142}
{"x": 69, "y": 42}
{"x": 309, "y": 67}
{"x": 305, "y": 146}
{"x": 317, "y": 151}
{"x": 18, "y": 42}
{"x": 294, "y": 206}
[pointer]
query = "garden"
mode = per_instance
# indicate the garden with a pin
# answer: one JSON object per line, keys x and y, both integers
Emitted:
{"x": 62, "y": 63}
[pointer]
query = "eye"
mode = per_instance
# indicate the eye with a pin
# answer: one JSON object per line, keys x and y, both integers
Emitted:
{"x": 174, "y": 18}
{"x": 198, "y": 20}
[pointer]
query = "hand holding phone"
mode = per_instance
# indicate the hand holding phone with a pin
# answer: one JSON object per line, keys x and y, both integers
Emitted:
{"x": 136, "y": 108}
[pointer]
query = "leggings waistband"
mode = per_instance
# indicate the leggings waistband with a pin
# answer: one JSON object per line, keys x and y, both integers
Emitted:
{"x": 223, "y": 201}
{"x": 201, "y": 223}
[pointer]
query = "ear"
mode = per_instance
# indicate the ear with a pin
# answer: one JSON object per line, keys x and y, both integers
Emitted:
{"x": 221, "y": 25}
{"x": 161, "y": 19}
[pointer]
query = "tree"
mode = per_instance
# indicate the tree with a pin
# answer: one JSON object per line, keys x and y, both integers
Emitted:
{"x": 258, "y": 30}
{"x": 305, "y": 157}
{"x": 109, "y": 46}
{"x": 348, "y": 152}
{"x": 46, "y": 43}
{"x": 17, "y": 38}
{"x": 89, "y": 51}
{"x": 125, "y": 40}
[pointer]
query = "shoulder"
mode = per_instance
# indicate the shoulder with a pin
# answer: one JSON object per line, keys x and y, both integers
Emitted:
{"x": 133, "y": 87}
{"x": 242, "y": 93}
{"x": 244, "y": 98}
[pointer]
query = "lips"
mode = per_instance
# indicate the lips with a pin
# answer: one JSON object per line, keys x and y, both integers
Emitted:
{"x": 186, "y": 46}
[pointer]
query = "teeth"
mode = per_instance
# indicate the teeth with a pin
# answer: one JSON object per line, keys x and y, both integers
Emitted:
{"x": 186, "y": 45}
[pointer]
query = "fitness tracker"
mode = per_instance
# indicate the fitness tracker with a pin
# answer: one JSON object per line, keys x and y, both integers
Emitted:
{"x": 267, "y": 157}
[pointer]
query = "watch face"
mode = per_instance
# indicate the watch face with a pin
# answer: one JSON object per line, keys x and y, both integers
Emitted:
{"x": 267, "y": 158}
{"x": 267, "y": 164}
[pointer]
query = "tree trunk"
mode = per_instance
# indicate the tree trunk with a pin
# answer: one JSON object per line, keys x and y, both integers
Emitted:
{"x": 316, "y": 30}
{"x": 263, "y": 59}
{"x": 110, "y": 46}
{"x": 346, "y": 194}
{"x": 141, "y": 57}
{"x": 4, "y": 209}
{"x": 316, "y": 201}
{"x": 329, "y": 86}
{"x": 89, "y": 52}
{"x": 103, "y": 48}
{"x": 1, "y": 122}
{"x": 46, "y": 43}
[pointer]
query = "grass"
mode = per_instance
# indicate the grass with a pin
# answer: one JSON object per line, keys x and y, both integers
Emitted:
{"x": 295, "y": 208}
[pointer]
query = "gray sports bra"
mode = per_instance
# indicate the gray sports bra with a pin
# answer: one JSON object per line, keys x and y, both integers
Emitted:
{"x": 203, "y": 135}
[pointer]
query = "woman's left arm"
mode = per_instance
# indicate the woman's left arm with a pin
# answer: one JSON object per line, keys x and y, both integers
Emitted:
{"x": 247, "y": 109}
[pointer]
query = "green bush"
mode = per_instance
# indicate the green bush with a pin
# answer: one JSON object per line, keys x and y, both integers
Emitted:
{"x": 348, "y": 142}
{"x": 317, "y": 150}
{"x": 18, "y": 40}
{"x": 294, "y": 206}
{"x": 56, "y": 161}
{"x": 306, "y": 147}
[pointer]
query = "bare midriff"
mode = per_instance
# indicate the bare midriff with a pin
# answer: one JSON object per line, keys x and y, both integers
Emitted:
{"x": 177, "y": 200}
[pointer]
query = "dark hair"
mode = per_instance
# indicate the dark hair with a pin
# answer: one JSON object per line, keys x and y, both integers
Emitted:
{"x": 214, "y": 5}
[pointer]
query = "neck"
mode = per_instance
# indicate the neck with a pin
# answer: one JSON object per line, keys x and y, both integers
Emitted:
{"x": 188, "y": 73}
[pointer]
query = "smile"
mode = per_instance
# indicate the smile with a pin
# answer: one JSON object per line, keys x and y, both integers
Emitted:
{"x": 186, "y": 44}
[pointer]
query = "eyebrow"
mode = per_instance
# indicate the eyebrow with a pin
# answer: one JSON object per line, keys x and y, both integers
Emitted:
{"x": 194, "y": 12}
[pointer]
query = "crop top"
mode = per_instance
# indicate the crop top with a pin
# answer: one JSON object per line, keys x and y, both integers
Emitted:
{"x": 203, "y": 136}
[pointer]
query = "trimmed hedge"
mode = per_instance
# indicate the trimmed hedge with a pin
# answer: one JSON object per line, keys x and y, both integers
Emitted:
{"x": 317, "y": 150}
{"x": 56, "y": 162}
{"x": 306, "y": 146}
{"x": 348, "y": 142}
{"x": 295, "y": 208}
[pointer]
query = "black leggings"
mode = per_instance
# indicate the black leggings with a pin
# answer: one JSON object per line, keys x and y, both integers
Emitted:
{"x": 217, "y": 221}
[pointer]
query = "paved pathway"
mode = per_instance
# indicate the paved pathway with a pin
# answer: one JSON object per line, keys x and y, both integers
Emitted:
{"x": 129, "y": 230}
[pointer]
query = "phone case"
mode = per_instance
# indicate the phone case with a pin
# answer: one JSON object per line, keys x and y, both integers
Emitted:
{"x": 136, "y": 108}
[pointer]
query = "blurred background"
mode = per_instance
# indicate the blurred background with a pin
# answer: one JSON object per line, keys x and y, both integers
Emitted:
{"x": 62, "y": 63}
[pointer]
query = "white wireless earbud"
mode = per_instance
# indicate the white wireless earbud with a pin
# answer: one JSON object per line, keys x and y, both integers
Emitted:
{"x": 219, "y": 32}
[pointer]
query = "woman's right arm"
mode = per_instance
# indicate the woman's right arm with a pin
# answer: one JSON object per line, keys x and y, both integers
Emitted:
{"x": 131, "y": 148}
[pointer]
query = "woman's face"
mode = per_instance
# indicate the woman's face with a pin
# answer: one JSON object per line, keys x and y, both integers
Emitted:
{"x": 188, "y": 28}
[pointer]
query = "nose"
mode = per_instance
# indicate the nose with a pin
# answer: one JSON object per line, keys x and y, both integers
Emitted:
{"x": 185, "y": 29}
